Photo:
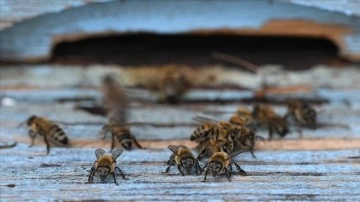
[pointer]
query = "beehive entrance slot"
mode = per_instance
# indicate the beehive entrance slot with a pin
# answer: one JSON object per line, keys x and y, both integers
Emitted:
{"x": 195, "y": 49}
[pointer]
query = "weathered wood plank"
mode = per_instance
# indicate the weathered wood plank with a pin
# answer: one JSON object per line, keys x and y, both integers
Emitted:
{"x": 322, "y": 166}
{"x": 319, "y": 175}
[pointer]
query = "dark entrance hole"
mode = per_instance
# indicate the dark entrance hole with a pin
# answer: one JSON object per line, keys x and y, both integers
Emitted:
{"x": 192, "y": 49}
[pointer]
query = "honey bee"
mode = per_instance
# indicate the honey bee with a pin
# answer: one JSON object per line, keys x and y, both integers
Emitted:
{"x": 172, "y": 86}
{"x": 241, "y": 117}
{"x": 245, "y": 137}
{"x": 105, "y": 165}
{"x": 183, "y": 158}
{"x": 115, "y": 100}
{"x": 211, "y": 146}
{"x": 221, "y": 162}
{"x": 209, "y": 129}
{"x": 265, "y": 116}
{"x": 51, "y": 132}
{"x": 302, "y": 113}
{"x": 122, "y": 134}
{"x": 229, "y": 137}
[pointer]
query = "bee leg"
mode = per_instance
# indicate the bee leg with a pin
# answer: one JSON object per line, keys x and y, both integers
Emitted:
{"x": 201, "y": 154}
{"x": 32, "y": 135}
{"x": 170, "y": 162}
{"x": 104, "y": 131}
{"x": 47, "y": 143}
{"x": 252, "y": 151}
{"x": 198, "y": 168}
{"x": 202, "y": 170}
{"x": 112, "y": 142}
{"x": 240, "y": 171}
{"x": 270, "y": 133}
{"x": 286, "y": 116}
{"x": 179, "y": 168}
{"x": 299, "y": 130}
{"x": 91, "y": 176}
{"x": 167, "y": 169}
{"x": 230, "y": 168}
{"x": 121, "y": 173}
{"x": 113, "y": 174}
{"x": 206, "y": 173}
{"x": 136, "y": 142}
{"x": 227, "y": 174}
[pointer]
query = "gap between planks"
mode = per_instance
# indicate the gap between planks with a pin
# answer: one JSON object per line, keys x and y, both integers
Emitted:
{"x": 277, "y": 144}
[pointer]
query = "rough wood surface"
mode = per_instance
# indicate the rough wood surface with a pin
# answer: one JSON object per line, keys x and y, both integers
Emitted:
{"x": 322, "y": 166}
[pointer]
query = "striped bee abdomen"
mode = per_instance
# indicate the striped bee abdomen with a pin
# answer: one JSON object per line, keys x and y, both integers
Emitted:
{"x": 58, "y": 135}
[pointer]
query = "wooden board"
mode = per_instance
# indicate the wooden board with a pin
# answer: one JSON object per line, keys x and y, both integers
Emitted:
{"x": 323, "y": 165}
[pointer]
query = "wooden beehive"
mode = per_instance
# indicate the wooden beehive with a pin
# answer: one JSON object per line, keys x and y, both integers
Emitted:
{"x": 323, "y": 165}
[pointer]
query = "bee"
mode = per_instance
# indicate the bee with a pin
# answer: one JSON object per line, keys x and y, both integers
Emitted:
{"x": 204, "y": 132}
{"x": 105, "y": 165}
{"x": 51, "y": 132}
{"x": 211, "y": 146}
{"x": 302, "y": 113}
{"x": 265, "y": 116}
{"x": 171, "y": 87}
{"x": 183, "y": 158}
{"x": 241, "y": 117}
{"x": 122, "y": 134}
{"x": 221, "y": 162}
{"x": 209, "y": 129}
{"x": 228, "y": 136}
{"x": 115, "y": 100}
{"x": 245, "y": 137}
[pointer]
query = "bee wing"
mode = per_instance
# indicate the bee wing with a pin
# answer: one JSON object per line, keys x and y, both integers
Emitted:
{"x": 203, "y": 119}
{"x": 237, "y": 152}
{"x": 174, "y": 148}
{"x": 99, "y": 153}
{"x": 116, "y": 153}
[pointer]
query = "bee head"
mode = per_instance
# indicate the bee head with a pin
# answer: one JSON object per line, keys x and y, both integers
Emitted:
{"x": 103, "y": 172}
{"x": 227, "y": 148}
{"x": 108, "y": 79}
{"x": 232, "y": 136}
{"x": 187, "y": 162}
{"x": 31, "y": 120}
{"x": 215, "y": 167}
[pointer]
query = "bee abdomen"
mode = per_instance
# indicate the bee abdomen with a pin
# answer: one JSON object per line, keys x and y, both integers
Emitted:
{"x": 125, "y": 140}
{"x": 57, "y": 134}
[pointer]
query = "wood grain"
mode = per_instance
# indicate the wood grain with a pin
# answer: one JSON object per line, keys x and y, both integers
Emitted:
{"x": 324, "y": 165}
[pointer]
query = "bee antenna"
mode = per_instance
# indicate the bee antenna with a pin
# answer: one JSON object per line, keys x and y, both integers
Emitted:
{"x": 21, "y": 124}
{"x": 237, "y": 152}
{"x": 258, "y": 137}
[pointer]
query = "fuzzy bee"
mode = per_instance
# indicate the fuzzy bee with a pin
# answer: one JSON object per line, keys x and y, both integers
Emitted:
{"x": 115, "y": 100}
{"x": 303, "y": 115}
{"x": 211, "y": 146}
{"x": 122, "y": 134}
{"x": 172, "y": 86}
{"x": 221, "y": 162}
{"x": 183, "y": 158}
{"x": 228, "y": 137}
{"x": 242, "y": 117}
{"x": 105, "y": 165}
{"x": 209, "y": 129}
{"x": 245, "y": 137}
{"x": 265, "y": 116}
{"x": 51, "y": 132}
